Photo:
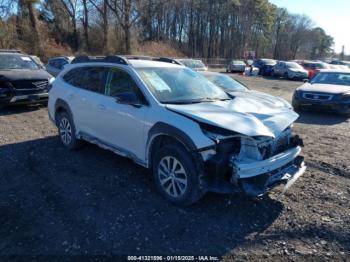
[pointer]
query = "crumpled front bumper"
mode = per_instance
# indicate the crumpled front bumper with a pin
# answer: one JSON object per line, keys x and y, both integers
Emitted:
{"x": 257, "y": 177}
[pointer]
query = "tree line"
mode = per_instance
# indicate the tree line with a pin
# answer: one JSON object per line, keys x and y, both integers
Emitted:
{"x": 199, "y": 28}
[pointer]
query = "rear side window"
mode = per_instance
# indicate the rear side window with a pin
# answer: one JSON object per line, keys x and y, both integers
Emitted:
{"x": 88, "y": 78}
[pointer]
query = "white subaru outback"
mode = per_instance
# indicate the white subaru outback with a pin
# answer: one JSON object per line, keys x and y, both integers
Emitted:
{"x": 193, "y": 136}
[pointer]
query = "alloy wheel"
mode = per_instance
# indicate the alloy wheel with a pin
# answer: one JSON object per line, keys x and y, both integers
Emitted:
{"x": 172, "y": 176}
{"x": 65, "y": 131}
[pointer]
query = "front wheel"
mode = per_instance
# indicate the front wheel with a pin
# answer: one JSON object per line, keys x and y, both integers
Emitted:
{"x": 176, "y": 175}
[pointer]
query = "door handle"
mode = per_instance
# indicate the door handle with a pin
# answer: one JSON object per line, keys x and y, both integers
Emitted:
{"x": 101, "y": 107}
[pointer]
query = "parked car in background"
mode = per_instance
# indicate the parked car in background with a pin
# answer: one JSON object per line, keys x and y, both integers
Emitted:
{"x": 56, "y": 64}
{"x": 314, "y": 67}
{"x": 332, "y": 66}
{"x": 38, "y": 61}
{"x": 194, "y": 64}
{"x": 237, "y": 89}
{"x": 236, "y": 66}
{"x": 339, "y": 62}
{"x": 289, "y": 70}
{"x": 22, "y": 81}
{"x": 15, "y": 51}
{"x": 265, "y": 66}
{"x": 192, "y": 135}
{"x": 329, "y": 89}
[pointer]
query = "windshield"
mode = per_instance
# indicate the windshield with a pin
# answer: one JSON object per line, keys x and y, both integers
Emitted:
{"x": 192, "y": 63}
{"x": 293, "y": 65}
{"x": 180, "y": 85}
{"x": 17, "y": 62}
{"x": 332, "y": 79}
{"x": 226, "y": 82}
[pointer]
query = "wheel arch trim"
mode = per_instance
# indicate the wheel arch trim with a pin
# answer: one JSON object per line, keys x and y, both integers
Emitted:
{"x": 166, "y": 130}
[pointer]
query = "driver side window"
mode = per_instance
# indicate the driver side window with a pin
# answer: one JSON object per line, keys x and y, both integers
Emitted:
{"x": 121, "y": 84}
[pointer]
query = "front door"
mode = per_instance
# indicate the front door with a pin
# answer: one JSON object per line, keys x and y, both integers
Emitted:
{"x": 121, "y": 114}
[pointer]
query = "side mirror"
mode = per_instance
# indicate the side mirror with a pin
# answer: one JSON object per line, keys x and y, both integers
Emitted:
{"x": 128, "y": 98}
{"x": 306, "y": 80}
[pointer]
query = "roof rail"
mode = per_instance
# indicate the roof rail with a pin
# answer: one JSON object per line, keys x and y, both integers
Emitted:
{"x": 123, "y": 60}
{"x": 11, "y": 51}
{"x": 168, "y": 60}
{"x": 151, "y": 58}
{"x": 106, "y": 59}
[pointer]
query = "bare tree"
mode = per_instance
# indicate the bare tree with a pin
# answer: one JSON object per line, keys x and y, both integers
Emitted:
{"x": 127, "y": 15}
{"x": 102, "y": 8}
{"x": 71, "y": 9}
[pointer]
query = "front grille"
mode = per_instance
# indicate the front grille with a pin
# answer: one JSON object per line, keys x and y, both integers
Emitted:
{"x": 317, "y": 97}
{"x": 30, "y": 85}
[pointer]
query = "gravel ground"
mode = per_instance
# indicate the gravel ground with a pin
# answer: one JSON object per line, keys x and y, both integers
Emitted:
{"x": 93, "y": 202}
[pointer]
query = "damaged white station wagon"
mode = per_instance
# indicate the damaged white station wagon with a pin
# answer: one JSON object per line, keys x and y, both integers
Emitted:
{"x": 193, "y": 136}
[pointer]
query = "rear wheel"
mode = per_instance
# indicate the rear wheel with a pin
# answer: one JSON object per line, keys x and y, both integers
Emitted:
{"x": 176, "y": 175}
{"x": 66, "y": 130}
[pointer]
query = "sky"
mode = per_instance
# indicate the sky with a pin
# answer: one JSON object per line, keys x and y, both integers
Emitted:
{"x": 332, "y": 15}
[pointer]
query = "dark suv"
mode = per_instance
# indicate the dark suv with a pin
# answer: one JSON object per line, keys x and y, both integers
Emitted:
{"x": 22, "y": 81}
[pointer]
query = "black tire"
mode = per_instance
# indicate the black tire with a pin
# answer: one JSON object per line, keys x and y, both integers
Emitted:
{"x": 296, "y": 106}
{"x": 66, "y": 131}
{"x": 344, "y": 112}
{"x": 191, "y": 192}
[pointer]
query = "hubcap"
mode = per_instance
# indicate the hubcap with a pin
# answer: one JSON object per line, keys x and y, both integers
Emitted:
{"x": 65, "y": 131}
{"x": 172, "y": 176}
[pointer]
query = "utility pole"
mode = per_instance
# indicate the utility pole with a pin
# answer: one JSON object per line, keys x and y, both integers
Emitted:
{"x": 342, "y": 53}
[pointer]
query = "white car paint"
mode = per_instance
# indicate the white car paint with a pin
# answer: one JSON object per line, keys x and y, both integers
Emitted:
{"x": 125, "y": 129}
{"x": 241, "y": 115}
{"x": 324, "y": 88}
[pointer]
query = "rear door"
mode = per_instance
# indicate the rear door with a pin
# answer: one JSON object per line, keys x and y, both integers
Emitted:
{"x": 87, "y": 87}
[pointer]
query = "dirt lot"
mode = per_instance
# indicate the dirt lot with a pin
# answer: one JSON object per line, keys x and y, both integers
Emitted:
{"x": 92, "y": 202}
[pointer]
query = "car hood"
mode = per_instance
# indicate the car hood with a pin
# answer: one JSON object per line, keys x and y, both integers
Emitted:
{"x": 265, "y": 100}
{"x": 324, "y": 88}
{"x": 242, "y": 115}
{"x": 23, "y": 74}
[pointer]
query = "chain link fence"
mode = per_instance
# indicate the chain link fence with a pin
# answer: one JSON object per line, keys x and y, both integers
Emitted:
{"x": 215, "y": 62}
